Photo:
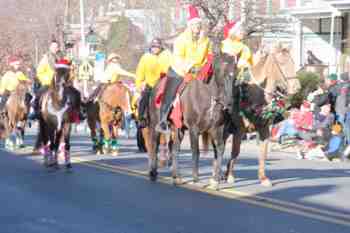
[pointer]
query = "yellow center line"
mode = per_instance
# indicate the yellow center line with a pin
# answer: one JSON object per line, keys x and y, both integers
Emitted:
{"x": 271, "y": 203}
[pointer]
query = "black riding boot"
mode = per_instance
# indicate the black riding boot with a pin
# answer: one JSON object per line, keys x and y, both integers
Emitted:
{"x": 3, "y": 101}
{"x": 172, "y": 84}
{"x": 143, "y": 105}
{"x": 35, "y": 106}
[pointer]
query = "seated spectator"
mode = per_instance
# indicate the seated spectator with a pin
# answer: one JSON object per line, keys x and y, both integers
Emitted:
{"x": 335, "y": 144}
{"x": 331, "y": 150}
{"x": 304, "y": 121}
{"x": 322, "y": 124}
{"x": 286, "y": 127}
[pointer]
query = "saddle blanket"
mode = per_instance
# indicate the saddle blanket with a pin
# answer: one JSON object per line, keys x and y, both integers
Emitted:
{"x": 176, "y": 112}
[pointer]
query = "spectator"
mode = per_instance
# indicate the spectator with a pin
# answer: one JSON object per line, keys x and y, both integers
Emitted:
{"x": 333, "y": 90}
{"x": 341, "y": 105}
{"x": 322, "y": 124}
{"x": 335, "y": 144}
{"x": 304, "y": 121}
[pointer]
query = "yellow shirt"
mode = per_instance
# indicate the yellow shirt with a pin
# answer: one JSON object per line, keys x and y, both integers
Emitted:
{"x": 113, "y": 72}
{"x": 234, "y": 47}
{"x": 188, "y": 51}
{"x": 151, "y": 67}
{"x": 10, "y": 81}
{"x": 45, "y": 72}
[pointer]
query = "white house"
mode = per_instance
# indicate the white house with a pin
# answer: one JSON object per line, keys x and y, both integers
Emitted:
{"x": 321, "y": 26}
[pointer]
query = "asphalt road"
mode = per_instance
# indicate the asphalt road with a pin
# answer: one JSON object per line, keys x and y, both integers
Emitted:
{"x": 98, "y": 197}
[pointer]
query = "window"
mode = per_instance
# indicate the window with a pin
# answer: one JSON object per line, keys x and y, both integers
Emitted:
{"x": 291, "y": 3}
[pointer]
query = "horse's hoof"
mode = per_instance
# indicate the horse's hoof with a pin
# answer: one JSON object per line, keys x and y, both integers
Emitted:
{"x": 213, "y": 184}
{"x": 230, "y": 179}
{"x": 69, "y": 167}
{"x": 266, "y": 182}
{"x": 153, "y": 175}
{"x": 53, "y": 165}
{"x": 115, "y": 153}
{"x": 177, "y": 181}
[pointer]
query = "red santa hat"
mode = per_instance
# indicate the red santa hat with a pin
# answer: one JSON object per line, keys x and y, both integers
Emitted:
{"x": 193, "y": 15}
{"x": 62, "y": 63}
{"x": 232, "y": 28}
{"x": 13, "y": 60}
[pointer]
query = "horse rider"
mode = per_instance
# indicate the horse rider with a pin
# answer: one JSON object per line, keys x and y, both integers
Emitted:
{"x": 45, "y": 73}
{"x": 111, "y": 75}
{"x": 192, "y": 58}
{"x": 152, "y": 66}
{"x": 10, "y": 80}
{"x": 233, "y": 46}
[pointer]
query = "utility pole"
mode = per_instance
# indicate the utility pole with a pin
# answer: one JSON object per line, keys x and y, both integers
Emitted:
{"x": 82, "y": 28}
{"x": 36, "y": 51}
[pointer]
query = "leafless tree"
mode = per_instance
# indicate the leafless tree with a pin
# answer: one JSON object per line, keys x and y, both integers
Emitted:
{"x": 26, "y": 25}
{"x": 217, "y": 14}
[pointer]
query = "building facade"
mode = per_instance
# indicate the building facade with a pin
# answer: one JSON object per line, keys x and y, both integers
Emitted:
{"x": 321, "y": 26}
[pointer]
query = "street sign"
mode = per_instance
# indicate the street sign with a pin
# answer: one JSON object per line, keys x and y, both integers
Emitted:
{"x": 99, "y": 65}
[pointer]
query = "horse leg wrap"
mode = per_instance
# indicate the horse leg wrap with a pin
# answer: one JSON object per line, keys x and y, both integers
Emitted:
{"x": 45, "y": 151}
{"x": 67, "y": 157}
{"x": 106, "y": 143}
{"x": 8, "y": 143}
{"x": 114, "y": 144}
{"x": 62, "y": 150}
{"x": 94, "y": 141}
{"x": 95, "y": 144}
{"x": 163, "y": 152}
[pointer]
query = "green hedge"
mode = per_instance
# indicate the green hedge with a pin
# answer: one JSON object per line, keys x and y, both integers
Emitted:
{"x": 309, "y": 82}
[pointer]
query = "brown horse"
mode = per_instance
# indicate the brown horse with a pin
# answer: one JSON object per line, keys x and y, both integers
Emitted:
{"x": 58, "y": 106}
{"x": 273, "y": 77}
{"x": 16, "y": 111}
{"x": 113, "y": 104}
{"x": 202, "y": 112}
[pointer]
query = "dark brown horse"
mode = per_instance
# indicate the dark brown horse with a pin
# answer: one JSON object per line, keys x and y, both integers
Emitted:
{"x": 58, "y": 106}
{"x": 273, "y": 77}
{"x": 15, "y": 115}
{"x": 202, "y": 111}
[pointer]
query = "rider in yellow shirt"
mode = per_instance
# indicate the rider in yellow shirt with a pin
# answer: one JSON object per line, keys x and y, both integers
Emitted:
{"x": 45, "y": 72}
{"x": 192, "y": 56}
{"x": 111, "y": 75}
{"x": 152, "y": 66}
{"x": 10, "y": 80}
{"x": 233, "y": 45}
{"x": 46, "y": 67}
